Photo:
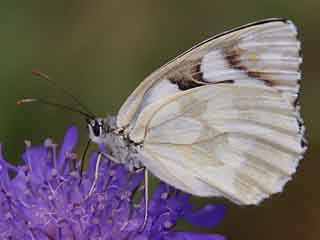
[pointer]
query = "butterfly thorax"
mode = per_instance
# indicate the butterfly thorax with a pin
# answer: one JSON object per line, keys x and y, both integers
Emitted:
{"x": 105, "y": 132}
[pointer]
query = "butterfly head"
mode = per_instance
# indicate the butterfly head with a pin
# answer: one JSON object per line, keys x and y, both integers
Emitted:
{"x": 98, "y": 129}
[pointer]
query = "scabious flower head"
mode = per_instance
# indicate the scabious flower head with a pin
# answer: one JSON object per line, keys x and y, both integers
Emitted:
{"x": 46, "y": 198}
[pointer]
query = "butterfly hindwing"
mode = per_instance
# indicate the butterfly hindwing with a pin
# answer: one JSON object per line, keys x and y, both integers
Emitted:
{"x": 241, "y": 142}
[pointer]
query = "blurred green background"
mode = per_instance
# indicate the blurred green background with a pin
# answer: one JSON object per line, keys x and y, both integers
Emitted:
{"x": 101, "y": 50}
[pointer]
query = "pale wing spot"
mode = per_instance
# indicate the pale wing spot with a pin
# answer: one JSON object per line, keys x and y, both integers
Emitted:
{"x": 159, "y": 91}
{"x": 222, "y": 151}
{"x": 256, "y": 172}
{"x": 291, "y": 142}
{"x": 184, "y": 130}
{"x": 270, "y": 61}
{"x": 213, "y": 173}
{"x": 272, "y": 154}
{"x": 250, "y": 193}
{"x": 188, "y": 107}
{"x": 247, "y": 103}
{"x": 172, "y": 172}
{"x": 208, "y": 132}
{"x": 204, "y": 152}
{"x": 266, "y": 177}
{"x": 191, "y": 107}
{"x": 277, "y": 120}
{"x": 167, "y": 163}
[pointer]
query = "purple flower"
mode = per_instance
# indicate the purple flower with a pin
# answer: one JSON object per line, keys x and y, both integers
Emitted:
{"x": 45, "y": 198}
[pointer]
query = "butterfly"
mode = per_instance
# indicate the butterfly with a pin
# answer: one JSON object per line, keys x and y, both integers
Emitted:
{"x": 221, "y": 119}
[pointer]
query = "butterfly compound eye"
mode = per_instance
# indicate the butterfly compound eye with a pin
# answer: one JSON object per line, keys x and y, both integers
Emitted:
{"x": 96, "y": 128}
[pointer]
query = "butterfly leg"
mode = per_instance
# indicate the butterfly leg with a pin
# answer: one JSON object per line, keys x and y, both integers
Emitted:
{"x": 146, "y": 198}
{"x": 96, "y": 172}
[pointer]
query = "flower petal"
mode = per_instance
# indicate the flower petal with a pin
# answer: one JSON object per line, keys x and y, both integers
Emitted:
{"x": 192, "y": 236}
{"x": 37, "y": 162}
{"x": 69, "y": 141}
{"x": 4, "y": 176}
{"x": 3, "y": 162}
{"x": 208, "y": 216}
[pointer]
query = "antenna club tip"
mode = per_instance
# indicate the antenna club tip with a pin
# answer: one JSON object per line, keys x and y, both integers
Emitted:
{"x": 40, "y": 74}
{"x": 26, "y": 100}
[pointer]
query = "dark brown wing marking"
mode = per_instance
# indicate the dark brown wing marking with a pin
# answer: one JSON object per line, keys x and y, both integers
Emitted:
{"x": 187, "y": 76}
{"x": 233, "y": 55}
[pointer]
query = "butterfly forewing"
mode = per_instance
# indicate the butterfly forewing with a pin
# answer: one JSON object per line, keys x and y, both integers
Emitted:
{"x": 261, "y": 53}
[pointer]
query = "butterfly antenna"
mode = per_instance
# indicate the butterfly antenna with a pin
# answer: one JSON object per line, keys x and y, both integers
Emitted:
{"x": 46, "y": 77}
{"x": 62, "y": 106}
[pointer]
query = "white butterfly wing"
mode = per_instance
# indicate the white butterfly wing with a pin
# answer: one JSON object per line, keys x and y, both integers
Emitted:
{"x": 241, "y": 142}
{"x": 222, "y": 118}
{"x": 260, "y": 53}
